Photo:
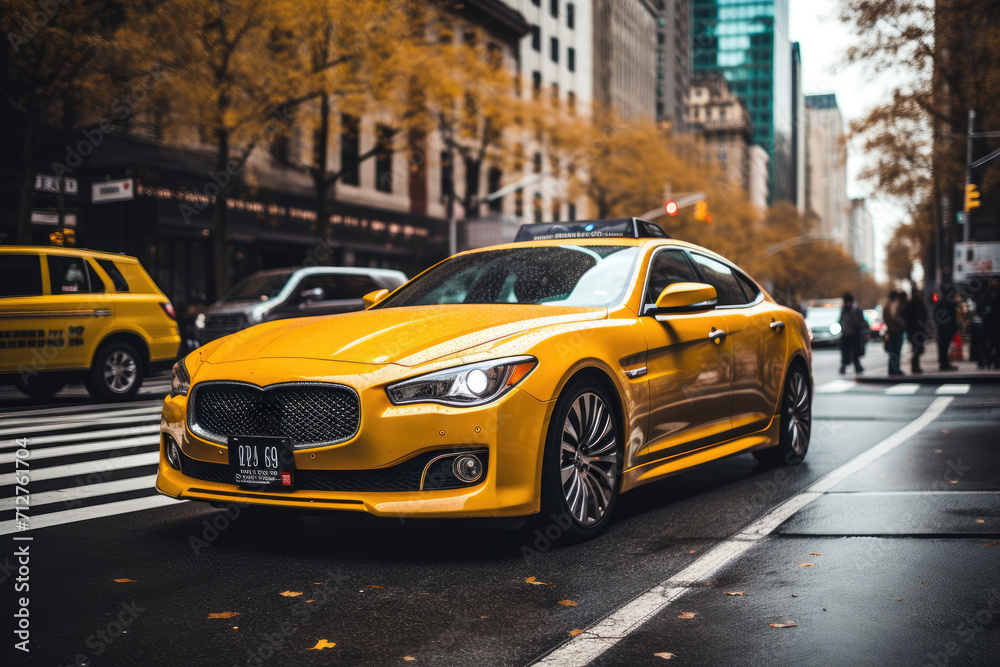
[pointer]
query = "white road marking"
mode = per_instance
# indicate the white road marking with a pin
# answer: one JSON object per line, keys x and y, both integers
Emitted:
{"x": 604, "y": 634}
{"x": 80, "y": 408}
{"x": 86, "y": 448}
{"x": 835, "y": 387}
{"x": 42, "y": 428}
{"x": 904, "y": 389}
{"x": 953, "y": 389}
{"x": 86, "y": 436}
{"x": 85, "y": 513}
{"x": 86, "y": 467}
{"x": 86, "y": 417}
{"x": 84, "y": 491}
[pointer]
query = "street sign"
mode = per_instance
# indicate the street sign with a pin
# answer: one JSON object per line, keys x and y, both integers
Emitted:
{"x": 976, "y": 259}
{"x": 109, "y": 191}
{"x": 48, "y": 183}
{"x": 960, "y": 217}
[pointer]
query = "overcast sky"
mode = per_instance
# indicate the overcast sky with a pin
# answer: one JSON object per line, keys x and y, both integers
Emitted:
{"x": 823, "y": 40}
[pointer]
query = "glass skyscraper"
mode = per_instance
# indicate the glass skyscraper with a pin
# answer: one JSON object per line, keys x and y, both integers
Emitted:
{"x": 747, "y": 42}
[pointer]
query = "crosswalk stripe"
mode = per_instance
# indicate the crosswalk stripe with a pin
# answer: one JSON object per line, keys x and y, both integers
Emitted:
{"x": 42, "y": 428}
{"x": 835, "y": 387}
{"x": 87, "y": 436}
{"x": 953, "y": 389}
{"x": 85, "y": 467}
{"x": 60, "y": 419}
{"x": 84, "y": 491}
{"x": 93, "y": 512}
{"x": 86, "y": 448}
{"x": 71, "y": 409}
{"x": 902, "y": 389}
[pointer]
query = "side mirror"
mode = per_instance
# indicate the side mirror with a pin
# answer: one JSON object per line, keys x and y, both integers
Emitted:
{"x": 314, "y": 294}
{"x": 372, "y": 298}
{"x": 686, "y": 297}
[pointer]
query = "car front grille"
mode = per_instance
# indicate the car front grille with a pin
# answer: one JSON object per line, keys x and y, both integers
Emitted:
{"x": 307, "y": 414}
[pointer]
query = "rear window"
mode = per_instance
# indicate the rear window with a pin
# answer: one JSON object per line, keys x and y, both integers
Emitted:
{"x": 20, "y": 275}
{"x": 121, "y": 285}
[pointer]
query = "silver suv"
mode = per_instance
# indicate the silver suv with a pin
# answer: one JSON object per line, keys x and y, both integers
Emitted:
{"x": 281, "y": 294}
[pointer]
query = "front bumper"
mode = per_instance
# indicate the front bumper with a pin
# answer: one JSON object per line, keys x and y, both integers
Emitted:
{"x": 369, "y": 470}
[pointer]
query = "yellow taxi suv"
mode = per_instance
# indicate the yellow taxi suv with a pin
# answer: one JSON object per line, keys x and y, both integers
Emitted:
{"x": 70, "y": 315}
{"x": 548, "y": 376}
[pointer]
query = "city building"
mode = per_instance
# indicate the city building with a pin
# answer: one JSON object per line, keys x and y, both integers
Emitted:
{"x": 862, "y": 236}
{"x": 757, "y": 181}
{"x": 722, "y": 123}
{"x": 826, "y": 173}
{"x": 798, "y": 172}
{"x": 673, "y": 63}
{"x": 747, "y": 42}
{"x": 624, "y": 57}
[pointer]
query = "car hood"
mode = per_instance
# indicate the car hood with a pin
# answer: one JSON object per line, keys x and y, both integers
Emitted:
{"x": 404, "y": 336}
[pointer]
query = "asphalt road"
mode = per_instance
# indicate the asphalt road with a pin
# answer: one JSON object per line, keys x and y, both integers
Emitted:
{"x": 890, "y": 558}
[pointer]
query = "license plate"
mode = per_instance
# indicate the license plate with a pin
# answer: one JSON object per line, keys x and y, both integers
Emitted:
{"x": 262, "y": 462}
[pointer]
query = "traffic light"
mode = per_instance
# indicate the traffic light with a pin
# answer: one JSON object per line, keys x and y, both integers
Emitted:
{"x": 670, "y": 207}
{"x": 971, "y": 197}
{"x": 701, "y": 212}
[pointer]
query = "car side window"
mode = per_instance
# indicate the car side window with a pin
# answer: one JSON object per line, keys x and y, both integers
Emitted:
{"x": 329, "y": 284}
{"x": 749, "y": 287}
{"x": 356, "y": 286}
{"x": 121, "y": 285}
{"x": 722, "y": 278}
{"x": 20, "y": 275}
{"x": 668, "y": 267}
{"x": 72, "y": 275}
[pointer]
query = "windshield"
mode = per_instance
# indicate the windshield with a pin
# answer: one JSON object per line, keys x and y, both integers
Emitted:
{"x": 258, "y": 287}
{"x": 566, "y": 275}
{"x": 822, "y": 316}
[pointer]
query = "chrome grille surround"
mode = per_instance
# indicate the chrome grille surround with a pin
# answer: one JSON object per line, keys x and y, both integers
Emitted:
{"x": 311, "y": 414}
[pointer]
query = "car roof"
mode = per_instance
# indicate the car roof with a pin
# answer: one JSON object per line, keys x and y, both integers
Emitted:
{"x": 333, "y": 270}
{"x": 71, "y": 252}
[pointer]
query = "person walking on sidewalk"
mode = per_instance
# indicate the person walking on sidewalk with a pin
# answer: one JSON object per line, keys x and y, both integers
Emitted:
{"x": 895, "y": 327}
{"x": 852, "y": 326}
{"x": 946, "y": 323}
{"x": 915, "y": 315}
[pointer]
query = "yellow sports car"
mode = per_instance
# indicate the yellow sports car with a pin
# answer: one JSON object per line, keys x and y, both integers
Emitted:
{"x": 547, "y": 375}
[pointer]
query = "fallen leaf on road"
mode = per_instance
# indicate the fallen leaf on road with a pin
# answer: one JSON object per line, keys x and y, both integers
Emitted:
{"x": 290, "y": 594}
{"x": 567, "y": 603}
{"x": 790, "y": 624}
{"x": 308, "y": 601}
{"x": 923, "y": 584}
{"x": 692, "y": 551}
{"x": 317, "y": 583}
{"x": 708, "y": 583}
{"x": 899, "y": 600}
{"x": 980, "y": 521}
{"x": 322, "y": 644}
{"x": 224, "y": 614}
{"x": 532, "y": 580}
{"x": 408, "y": 658}
{"x": 945, "y": 431}
{"x": 665, "y": 656}
{"x": 939, "y": 451}
{"x": 688, "y": 614}
{"x": 373, "y": 586}
{"x": 813, "y": 553}
{"x": 991, "y": 544}
{"x": 125, "y": 581}
{"x": 953, "y": 481}
{"x": 574, "y": 633}
{"x": 733, "y": 593}
{"x": 236, "y": 627}
{"x": 805, "y": 565}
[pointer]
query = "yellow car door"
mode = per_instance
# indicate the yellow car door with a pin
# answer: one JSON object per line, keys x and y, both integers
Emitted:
{"x": 81, "y": 313}
{"x": 25, "y": 345}
{"x": 689, "y": 367}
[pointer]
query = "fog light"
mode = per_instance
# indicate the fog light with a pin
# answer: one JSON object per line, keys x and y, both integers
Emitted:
{"x": 467, "y": 468}
{"x": 173, "y": 454}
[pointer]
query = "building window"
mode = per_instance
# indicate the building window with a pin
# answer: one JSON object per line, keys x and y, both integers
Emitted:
{"x": 536, "y": 38}
{"x": 572, "y": 213}
{"x": 536, "y": 3}
{"x": 494, "y": 55}
{"x": 538, "y": 163}
{"x": 536, "y": 84}
{"x": 519, "y": 204}
{"x": 555, "y": 95}
{"x": 554, "y": 49}
{"x": 446, "y": 172}
{"x": 538, "y": 207}
{"x": 570, "y": 15}
{"x": 660, "y": 38}
{"x": 571, "y": 59}
{"x": 554, "y": 8}
{"x": 350, "y": 145}
{"x": 571, "y": 102}
{"x": 383, "y": 158}
{"x": 493, "y": 180}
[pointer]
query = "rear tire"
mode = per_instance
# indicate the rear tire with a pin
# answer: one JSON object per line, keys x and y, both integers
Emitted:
{"x": 116, "y": 373}
{"x": 42, "y": 386}
{"x": 582, "y": 463}
{"x": 795, "y": 424}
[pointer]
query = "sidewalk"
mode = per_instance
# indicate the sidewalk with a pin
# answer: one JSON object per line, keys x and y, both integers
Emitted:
{"x": 967, "y": 372}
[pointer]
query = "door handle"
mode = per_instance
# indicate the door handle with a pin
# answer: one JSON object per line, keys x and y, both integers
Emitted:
{"x": 777, "y": 326}
{"x": 102, "y": 312}
{"x": 717, "y": 335}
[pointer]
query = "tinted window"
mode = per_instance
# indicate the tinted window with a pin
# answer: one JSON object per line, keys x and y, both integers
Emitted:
{"x": 20, "y": 275}
{"x": 355, "y": 287}
{"x": 721, "y": 277}
{"x": 749, "y": 287}
{"x": 71, "y": 275}
{"x": 668, "y": 267}
{"x": 258, "y": 287}
{"x": 116, "y": 276}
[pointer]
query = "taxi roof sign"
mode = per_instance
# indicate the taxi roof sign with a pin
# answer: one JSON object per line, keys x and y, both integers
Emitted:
{"x": 618, "y": 228}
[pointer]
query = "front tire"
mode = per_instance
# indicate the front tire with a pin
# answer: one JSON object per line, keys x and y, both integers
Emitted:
{"x": 582, "y": 465}
{"x": 796, "y": 422}
{"x": 116, "y": 373}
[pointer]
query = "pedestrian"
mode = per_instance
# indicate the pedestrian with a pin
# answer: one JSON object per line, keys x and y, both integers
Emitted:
{"x": 991, "y": 325}
{"x": 895, "y": 327}
{"x": 946, "y": 324}
{"x": 915, "y": 315}
{"x": 852, "y": 325}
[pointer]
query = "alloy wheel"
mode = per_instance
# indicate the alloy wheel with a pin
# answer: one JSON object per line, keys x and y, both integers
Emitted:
{"x": 120, "y": 371}
{"x": 798, "y": 410}
{"x": 588, "y": 459}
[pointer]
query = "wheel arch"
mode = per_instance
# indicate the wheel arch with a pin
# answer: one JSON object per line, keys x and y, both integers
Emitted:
{"x": 130, "y": 338}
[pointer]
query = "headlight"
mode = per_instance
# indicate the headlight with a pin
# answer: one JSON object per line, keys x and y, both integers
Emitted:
{"x": 835, "y": 328}
{"x": 181, "y": 381}
{"x": 472, "y": 384}
{"x": 199, "y": 321}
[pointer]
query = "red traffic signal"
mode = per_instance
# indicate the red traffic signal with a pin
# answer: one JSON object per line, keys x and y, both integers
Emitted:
{"x": 670, "y": 207}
